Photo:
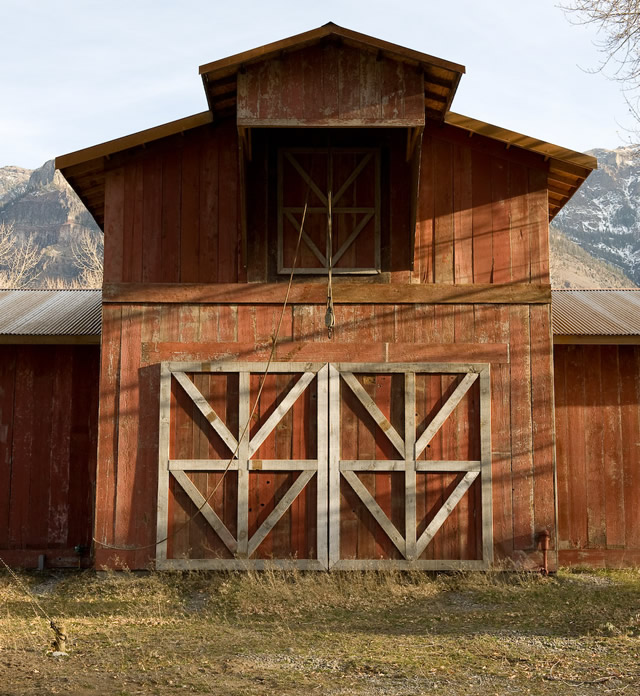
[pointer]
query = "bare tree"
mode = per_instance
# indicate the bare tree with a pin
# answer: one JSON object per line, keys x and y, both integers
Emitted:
{"x": 18, "y": 260}
{"x": 618, "y": 22}
{"x": 88, "y": 254}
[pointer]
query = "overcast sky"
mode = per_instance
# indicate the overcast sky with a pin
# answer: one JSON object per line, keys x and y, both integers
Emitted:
{"x": 74, "y": 73}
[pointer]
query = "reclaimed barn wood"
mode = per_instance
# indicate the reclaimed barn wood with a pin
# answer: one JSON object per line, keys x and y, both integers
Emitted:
{"x": 597, "y": 391}
{"x": 48, "y": 431}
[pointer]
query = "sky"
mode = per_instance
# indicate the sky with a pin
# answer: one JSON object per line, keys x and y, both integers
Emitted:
{"x": 75, "y": 73}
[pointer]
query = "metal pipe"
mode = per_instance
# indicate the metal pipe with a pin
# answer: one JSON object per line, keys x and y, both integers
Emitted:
{"x": 543, "y": 540}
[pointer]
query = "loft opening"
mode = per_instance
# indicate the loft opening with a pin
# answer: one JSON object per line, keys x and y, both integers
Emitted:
{"x": 359, "y": 179}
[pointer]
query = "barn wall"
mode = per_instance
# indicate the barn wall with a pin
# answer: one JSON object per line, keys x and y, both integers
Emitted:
{"x": 515, "y": 339}
{"x": 482, "y": 212}
{"x": 597, "y": 392}
{"x": 173, "y": 209}
{"x": 48, "y": 434}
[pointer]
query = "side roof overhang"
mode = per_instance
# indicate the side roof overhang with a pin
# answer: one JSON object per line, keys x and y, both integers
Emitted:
{"x": 596, "y": 316}
{"x": 50, "y": 316}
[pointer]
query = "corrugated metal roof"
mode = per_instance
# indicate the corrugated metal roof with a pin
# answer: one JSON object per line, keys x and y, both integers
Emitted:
{"x": 50, "y": 312}
{"x": 596, "y": 312}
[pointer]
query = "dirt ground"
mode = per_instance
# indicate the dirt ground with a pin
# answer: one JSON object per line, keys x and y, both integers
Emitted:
{"x": 343, "y": 633}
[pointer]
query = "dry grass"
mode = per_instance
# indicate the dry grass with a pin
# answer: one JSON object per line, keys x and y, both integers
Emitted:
{"x": 345, "y": 633}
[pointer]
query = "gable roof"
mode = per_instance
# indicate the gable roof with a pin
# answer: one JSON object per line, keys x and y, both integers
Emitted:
{"x": 441, "y": 77}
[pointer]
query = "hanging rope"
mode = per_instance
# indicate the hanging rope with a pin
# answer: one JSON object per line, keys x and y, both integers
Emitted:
{"x": 330, "y": 317}
{"x": 274, "y": 343}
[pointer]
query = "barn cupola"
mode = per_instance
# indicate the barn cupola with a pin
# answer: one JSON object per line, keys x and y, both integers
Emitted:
{"x": 330, "y": 122}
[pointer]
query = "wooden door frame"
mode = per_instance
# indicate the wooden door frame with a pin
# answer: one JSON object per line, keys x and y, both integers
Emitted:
{"x": 408, "y": 544}
{"x": 328, "y": 466}
{"x": 242, "y": 546}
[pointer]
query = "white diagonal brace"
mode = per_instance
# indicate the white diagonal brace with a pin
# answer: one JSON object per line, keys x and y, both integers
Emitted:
{"x": 312, "y": 184}
{"x": 205, "y": 408}
{"x": 377, "y": 512}
{"x": 307, "y": 239}
{"x": 207, "y": 511}
{"x": 283, "y": 505}
{"x": 283, "y": 407}
{"x": 373, "y": 410}
{"x": 445, "y": 511}
{"x": 352, "y": 177}
{"x": 444, "y": 412}
{"x": 351, "y": 238}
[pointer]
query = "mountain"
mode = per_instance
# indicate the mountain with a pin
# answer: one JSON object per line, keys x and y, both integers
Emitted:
{"x": 40, "y": 203}
{"x": 603, "y": 217}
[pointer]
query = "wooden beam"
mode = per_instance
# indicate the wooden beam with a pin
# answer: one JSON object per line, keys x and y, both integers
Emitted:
{"x": 206, "y": 510}
{"x": 12, "y": 339}
{"x": 597, "y": 340}
{"x": 347, "y": 292}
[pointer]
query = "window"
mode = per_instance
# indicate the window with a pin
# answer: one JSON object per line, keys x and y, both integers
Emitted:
{"x": 343, "y": 180}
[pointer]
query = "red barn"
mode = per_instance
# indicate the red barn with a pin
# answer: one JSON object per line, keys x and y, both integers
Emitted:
{"x": 399, "y": 254}
{"x": 49, "y": 365}
{"x": 597, "y": 397}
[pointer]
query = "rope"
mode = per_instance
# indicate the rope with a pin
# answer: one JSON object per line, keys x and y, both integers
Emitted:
{"x": 330, "y": 317}
{"x": 274, "y": 343}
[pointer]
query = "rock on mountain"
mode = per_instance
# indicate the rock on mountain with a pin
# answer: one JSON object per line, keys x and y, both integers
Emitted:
{"x": 42, "y": 204}
{"x": 603, "y": 217}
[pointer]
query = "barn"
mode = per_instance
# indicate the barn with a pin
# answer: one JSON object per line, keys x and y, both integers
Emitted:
{"x": 326, "y": 321}
{"x": 49, "y": 364}
{"x": 597, "y": 392}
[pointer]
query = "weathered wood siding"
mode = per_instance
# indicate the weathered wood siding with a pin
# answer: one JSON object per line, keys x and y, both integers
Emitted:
{"x": 330, "y": 85}
{"x": 482, "y": 212}
{"x": 48, "y": 434}
{"x": 515, "y": 339}
{"x": 173, "y": 209}
{"x": 597, "y": 394}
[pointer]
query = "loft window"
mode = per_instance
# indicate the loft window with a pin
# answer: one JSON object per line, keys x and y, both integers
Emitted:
{"x": 350, "y": 179}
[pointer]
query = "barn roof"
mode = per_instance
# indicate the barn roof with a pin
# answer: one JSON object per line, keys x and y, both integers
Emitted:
{"x": 61, "y": 314}
{"x": 85, "y": 169}
{"x": 596, "y": 313}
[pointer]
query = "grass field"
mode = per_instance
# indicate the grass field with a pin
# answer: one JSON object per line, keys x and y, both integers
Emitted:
{"x": 289, "y": 633}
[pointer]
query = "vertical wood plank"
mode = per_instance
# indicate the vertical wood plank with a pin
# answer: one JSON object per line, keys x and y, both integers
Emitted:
{"x": 542, "y": 413}
{"x": 424, "y": 244}
{"x": 443, "y": 208}
{"x": 244, "y": 411}
{"x": 482, "y": 222}
{"x": 410, "y": 464}
{"x": 334, "y": 466}
{"x": 462, "y": 215}
{"x": 613, "y": 466}
{"x": 500, "y": 221}
{"x": 521, "y": 429}
{"x": 114, "y": 197}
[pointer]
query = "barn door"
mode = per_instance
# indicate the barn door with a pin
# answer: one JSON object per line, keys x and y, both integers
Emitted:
{"x": 230, "y": 496}
{"x": 409, "y": 466}
{"x": 342, "y": 465}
